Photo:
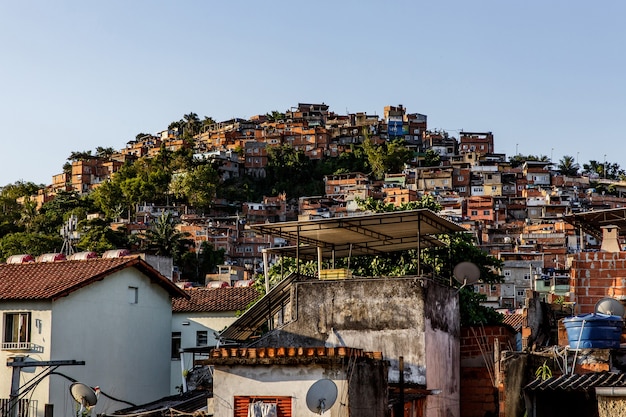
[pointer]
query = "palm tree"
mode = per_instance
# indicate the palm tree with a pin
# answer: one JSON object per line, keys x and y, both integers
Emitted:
{"x": 568, "y": 166}
{"x": 192, "y": 123}
{"x": 164, "y": 239}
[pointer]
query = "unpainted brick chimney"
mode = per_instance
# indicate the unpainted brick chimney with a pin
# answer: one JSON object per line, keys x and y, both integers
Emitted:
{"x": 610, "y": 239}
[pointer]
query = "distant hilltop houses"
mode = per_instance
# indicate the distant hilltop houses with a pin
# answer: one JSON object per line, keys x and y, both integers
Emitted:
{"x": 520, "y": 210}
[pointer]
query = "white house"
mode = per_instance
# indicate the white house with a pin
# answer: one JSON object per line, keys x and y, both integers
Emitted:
{"x": 113, "y": 314}
{"x": 197, "y": 319}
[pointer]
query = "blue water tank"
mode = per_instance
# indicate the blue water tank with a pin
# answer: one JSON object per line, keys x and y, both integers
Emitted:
{"x": 594, "y": 330}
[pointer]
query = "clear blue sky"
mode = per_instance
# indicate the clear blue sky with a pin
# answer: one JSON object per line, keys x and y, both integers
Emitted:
{"x": 547, "y": 78}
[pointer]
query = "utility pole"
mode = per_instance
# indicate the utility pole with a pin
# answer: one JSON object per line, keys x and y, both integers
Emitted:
{"x": 17, "y": 363}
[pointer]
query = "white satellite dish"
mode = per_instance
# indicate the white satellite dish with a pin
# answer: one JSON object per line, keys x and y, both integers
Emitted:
{"x": 83, "y": 395}
{"x": 466, "y": 273}
{"x": 321, "y": 396}
{"x": 610, "y": 306}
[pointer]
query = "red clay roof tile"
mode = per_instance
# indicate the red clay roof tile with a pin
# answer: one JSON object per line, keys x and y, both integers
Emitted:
{"x": 215, "y": 299}
{"x": 51, "y": 280}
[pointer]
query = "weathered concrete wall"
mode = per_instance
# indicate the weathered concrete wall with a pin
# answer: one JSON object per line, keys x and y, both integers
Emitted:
{"x": 442, "y": 334}
{"x": 407, "y": 317}
{"x": 384, "y": 315}
{"x": 361, "y": 386}
{"x": 611, "y": 406}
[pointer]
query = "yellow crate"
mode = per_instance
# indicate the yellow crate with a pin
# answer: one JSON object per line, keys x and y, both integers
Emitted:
{"x": 342, "y": 273}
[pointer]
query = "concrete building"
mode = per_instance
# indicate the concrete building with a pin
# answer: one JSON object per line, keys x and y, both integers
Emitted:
{"x": 412, "y": 321}
{"x": 197, "y": 319}
{"x": 113, "y": 314}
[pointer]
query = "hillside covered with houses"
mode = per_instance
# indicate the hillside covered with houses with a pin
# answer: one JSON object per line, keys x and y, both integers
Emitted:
{"x": 161, "y": 244}
{"x": 213, "y": 179}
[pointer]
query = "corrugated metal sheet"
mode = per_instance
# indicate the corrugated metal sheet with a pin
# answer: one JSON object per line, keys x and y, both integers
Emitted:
{"x": 578, "y": 382}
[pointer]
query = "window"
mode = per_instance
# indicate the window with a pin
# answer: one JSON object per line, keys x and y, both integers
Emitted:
{"x": 202, "y": 338}
{"x": 16, "y": 331}
{"x": 133, "y": 295}
{"x": 176, "y": 339}
{"x": 486, "y": 212}
{"x": 474, "y": 212}
{"x": 526, "y": 276}
{"x": 494, "y": 287}
{"x": 280, "y": 405}
{"x": 520, "y": 293}
{"x": 507, "y": 272}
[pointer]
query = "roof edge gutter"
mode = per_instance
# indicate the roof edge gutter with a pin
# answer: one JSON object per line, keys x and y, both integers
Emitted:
{"x": 611, "y": 391}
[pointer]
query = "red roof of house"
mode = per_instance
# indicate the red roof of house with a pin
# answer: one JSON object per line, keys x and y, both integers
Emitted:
{"x": 52, "y": 280}
{"x": 215, "y": 299}
{"x": 516, "y": 321}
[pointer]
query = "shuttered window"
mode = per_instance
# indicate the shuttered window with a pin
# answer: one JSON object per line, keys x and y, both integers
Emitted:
{"x": 242, "y": 404}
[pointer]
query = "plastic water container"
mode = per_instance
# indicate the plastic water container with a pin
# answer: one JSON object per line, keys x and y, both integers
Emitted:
{"x": 595, "y": 330}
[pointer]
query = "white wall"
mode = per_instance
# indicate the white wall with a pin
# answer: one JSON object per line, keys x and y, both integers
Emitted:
{"x": 40, "y": 336}
{"x": 275, "y": 381}
{"x": 126, "y": 346}
{"x": 211, "y": 322}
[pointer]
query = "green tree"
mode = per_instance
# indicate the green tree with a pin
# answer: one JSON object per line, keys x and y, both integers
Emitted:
{"x": 289, "y": 170}
{"x": 197, "y": 186}
{"x": 275, "y": 116}
{"x": 164, "y": 239}
{"x": 192, "y": 124}
{"x": 196, "y": 265}
{"x": 28, "y": 213}
{"x": 568, "y": 166}
{"x": 80, "y": 156}
{"x": 96, "y": 235}
{"x": 29, "y": 243}
{"x": 104, "y": 153}
{"x": 431, "y": 158}
{"x": 386, "y": 158}
{"x": 461, "y": 247}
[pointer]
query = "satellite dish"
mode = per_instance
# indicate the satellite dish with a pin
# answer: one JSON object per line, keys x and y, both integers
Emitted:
{"x": 610, "y": 306}
{"x": 466, "y": 273}
{"x": 83, "y": 395}
{"x": 321, "y": 396}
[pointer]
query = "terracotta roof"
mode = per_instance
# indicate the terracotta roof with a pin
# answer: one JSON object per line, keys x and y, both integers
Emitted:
{"x": 215, "y": 299}
{"x": 578, "y": 382}
{"x": 52, "y": 280}
{"x": 516, "y": 321}
{"x": 286, "y": 355}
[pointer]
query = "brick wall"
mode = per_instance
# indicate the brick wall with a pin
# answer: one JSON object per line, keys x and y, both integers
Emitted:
{"x": 479, "y": 396}
{"x": 596, "y": 275}
{"x": 475, "y": 338}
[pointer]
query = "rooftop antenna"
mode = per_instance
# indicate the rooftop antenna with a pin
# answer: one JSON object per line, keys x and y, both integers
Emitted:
{"x": 321, "y": 396}
{"x": 69, "y": 233}
{"x": 466, "y": 273}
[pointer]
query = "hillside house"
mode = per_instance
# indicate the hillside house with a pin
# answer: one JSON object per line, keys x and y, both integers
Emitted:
{"x": 113, "y": 314}
{"x": 197, "y": 319}
{"x": 412, "y": 321}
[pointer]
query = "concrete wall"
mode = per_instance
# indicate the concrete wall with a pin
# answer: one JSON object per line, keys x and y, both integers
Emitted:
{"x": 125, "y": 345}
{"x": 611, "y": 406}
{"x": 231, "y": 381}
{"x": 442, "y": 333}
{"x": 407, "y": 317}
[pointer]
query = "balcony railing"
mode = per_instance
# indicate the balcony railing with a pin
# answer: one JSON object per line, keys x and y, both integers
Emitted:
{"x": 21, "y": 346}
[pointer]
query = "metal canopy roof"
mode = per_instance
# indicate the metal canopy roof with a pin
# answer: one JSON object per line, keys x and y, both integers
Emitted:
{"x": 592, "y": 221}
{"x": 372, "y": 234}
{"x": 262, "y": 311}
